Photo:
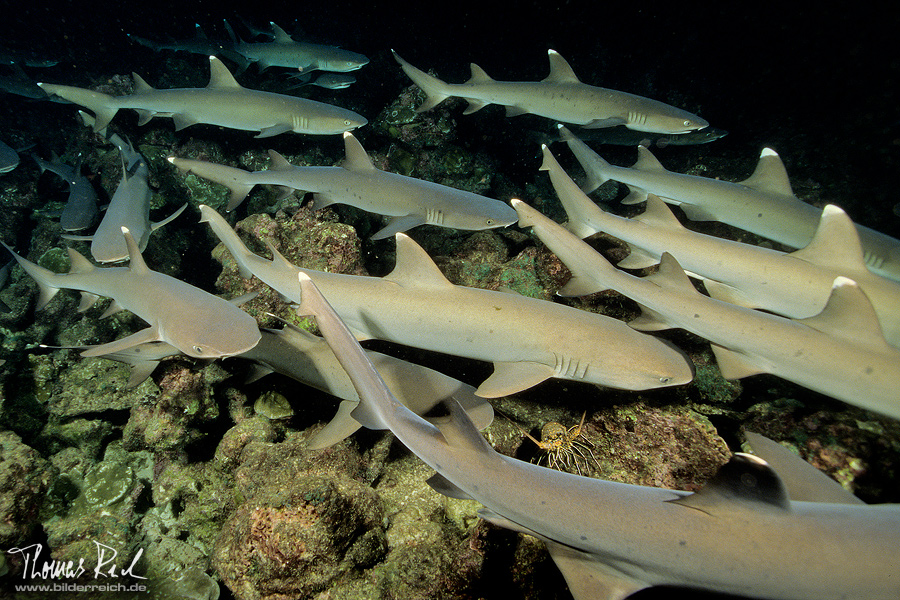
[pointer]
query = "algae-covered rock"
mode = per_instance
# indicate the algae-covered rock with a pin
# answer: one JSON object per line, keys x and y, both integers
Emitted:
{"x": 273, "y": 406}
{"x": 24, "y": 479}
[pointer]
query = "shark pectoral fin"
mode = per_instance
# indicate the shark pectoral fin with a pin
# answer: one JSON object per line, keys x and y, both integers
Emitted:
{"x": 183, "y": 120}
{"x": 150, "y": 334}
{"x": 733, "y": 365}
{"x": 257, "y": 372}
{"x": 444, "y": 486}
{"x": 601, "y": 123}
{"x": 244, "y": 298}
{"x": 274, "y": 130}
{"x": 169, "y": 219}
{"x": 399, "y": 225}
{"x": 590, "y": 579}
{"x": 339, "y": 428}
{"x": 727, "y": 293}
{"x": 511, "y": 377}
{"x": 320, "y": 201}
{"x": 638, "y": 259}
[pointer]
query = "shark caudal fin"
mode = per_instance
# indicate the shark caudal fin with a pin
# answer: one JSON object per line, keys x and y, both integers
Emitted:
{"x": 228, "y": 237}
{"x": 102, "y": 105}
{"x": 435, "y": 89}
{"x": 236, "y": 180}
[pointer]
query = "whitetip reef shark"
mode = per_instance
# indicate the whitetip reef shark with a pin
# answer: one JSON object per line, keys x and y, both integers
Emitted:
{"x": 129, "y": 208}
{"x": 763, "y": 204}
{"x": 528, "y": 340}
{"x": 223, "y": 102}
{"x": 740, "y": 534}
{"x": 795, "y": 285}
{"x": 80, "y": 211}
{"x": 193, "y": 321}
{"x": 840, "y": 352}
{"x": 307, "y": 358}
{"x": 284, "y": 51}
{"x": 409, "y": 202}
{"x": 561, "y": 96}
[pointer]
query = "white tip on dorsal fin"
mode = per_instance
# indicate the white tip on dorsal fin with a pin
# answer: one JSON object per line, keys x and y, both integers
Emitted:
{"x": 279, "y": 163}
{"x": 770, "y": 175}
{"x": 658, "y": 214}
{"x": 141, "y": 86}
{"x": 478, "y": 75}
{"x": 745, "y": 480}
{"x": 414, "y": 268}
{"x": 355, "y": 158}
{"x": 848, "y": 315}
{"x": 280, "y": 34}
{"x": 220, "y": 77}
{"x": 136, "y": 261}
{"x": 560, "y": 71}
{"x": 78, "y": 263}
{"x": 835, "y": 244}
{"x": 646, "y": 161}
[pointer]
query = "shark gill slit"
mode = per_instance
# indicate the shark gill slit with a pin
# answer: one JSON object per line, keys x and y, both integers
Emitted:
{"x": 569, "y": 367}
{"x": 636, "y": 118}
{"x": 298, "y": 122}
{"x": 434, "y": 216}
{"x": 873, "y": 260}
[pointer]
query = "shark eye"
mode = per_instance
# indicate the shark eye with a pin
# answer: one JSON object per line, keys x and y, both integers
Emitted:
{"x": 665, "y": 380}
{"x": 489, "y": 221}
{"x": 199, "y": 350}
{"x": 687, "y": 123}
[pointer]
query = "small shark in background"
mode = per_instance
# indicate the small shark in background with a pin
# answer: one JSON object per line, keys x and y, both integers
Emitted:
{"x": 9, "y": 158}
{"x": 622, "y": 136}
{"x": 561, "y": 96}
{"x": 327, "y": 80}
{"x": 26, "y": 58}
{"x": 763, "y": 204}
{"x": 81, "y": 210}
{"x": 840, "y": 352}
{"x": 409, "y": 202}
{"x": 284, "y": 51}
{"x": 193, "y": 321}
{"x": 417, "y": 306}
{"x": 199, "y": 44}
{"x": 129, "y": 207}
{"x": 741, "y": 534}
{"x": 223, "y": 102}
{"x": 795, "y": 285}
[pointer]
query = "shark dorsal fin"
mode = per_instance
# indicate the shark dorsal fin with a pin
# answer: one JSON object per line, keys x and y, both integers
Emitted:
{"x": 835, "y": 244}
{"x": 848, "y": 315}
{"x": 278, "y": 258}
{"x": 279, "y": 163}
{"x": 478, "y": 75}
{"x": 414, "y": 267}
{"x": 770, "y": 175}
{"x": 79, "y": 264}
{"x": 136, "y": 261}
{"x": 355, "y": 158}
{"x": 141, "y": 86}
{"x": 646, "y": 161}
{"x": 281, "y": 36}
{"x": 744, "y": 480}
{"x": 658, "y": 214}
{"x": 671, "y": 276}
{"x": 220, "y": 77}
{"x": 560, "y": 71}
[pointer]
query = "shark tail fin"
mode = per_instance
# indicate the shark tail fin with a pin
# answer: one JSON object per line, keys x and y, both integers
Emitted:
{"x": 228, "y": 237}
{"x": 41, "y": 276}
{"x": 102, "y": 105}
{"x": 435, "y": 89}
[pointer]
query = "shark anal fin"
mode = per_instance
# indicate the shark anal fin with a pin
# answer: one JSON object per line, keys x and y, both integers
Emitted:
{"x": 638, "y": 258}
{"x": 183, "y": 120}
{"x": 511, "y": 377}
{"x": 697, "y": 213}
{"x": 339, "y": 428}
{"x": 87, "y": 300}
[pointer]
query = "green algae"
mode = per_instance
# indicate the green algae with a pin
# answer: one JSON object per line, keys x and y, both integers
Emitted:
{"x": 55, "y": 259}
{"x": 273, "y": 406}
